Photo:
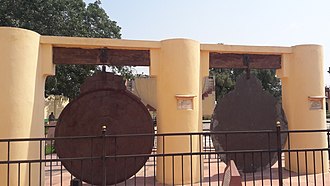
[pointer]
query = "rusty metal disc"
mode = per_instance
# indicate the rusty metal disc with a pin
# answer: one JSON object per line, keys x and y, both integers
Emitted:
{"x": 104, "y": 101}
{"x": 248, "y": 108}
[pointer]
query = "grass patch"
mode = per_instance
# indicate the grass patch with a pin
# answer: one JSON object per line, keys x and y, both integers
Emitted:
{"x": 49, "y": 149}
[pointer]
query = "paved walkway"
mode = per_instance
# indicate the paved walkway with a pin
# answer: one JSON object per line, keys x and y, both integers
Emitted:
{"x": 213, "y": 175}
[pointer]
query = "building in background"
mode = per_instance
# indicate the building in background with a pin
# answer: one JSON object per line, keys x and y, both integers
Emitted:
{"x": 55, "y": 104}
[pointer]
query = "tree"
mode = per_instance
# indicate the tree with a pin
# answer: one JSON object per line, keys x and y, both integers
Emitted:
{"x": 63, "y": 18}
{"x": 225, "y": 80}
{"x": 269, "y": 81}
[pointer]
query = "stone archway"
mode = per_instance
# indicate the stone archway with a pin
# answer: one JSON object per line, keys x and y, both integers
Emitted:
{"x": 27, "y": 58}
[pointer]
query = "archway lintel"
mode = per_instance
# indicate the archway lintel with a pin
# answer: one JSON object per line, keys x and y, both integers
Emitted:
{"x": 253, "y": 61}
{"x": 118, "y": 57}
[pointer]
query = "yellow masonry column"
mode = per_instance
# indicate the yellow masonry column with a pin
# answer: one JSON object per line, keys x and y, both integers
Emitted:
{"x": 21, "y": 104}
{"x": 208, "y": 103}
{"x": 302, "y": 88}
{"x": 178, "y": 105}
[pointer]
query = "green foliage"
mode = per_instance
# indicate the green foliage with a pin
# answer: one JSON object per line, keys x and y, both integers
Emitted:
{"x": 68, "y": 79}
{"x": 125, "y": 71}
{"x": 49, "y": 149}
{"x": 63, "y": 18}
{"x": 327, "y": 114}
{"x": 269, "y": 81}
{"x": 59, "y": 18}
{"x": 225, "y": 80}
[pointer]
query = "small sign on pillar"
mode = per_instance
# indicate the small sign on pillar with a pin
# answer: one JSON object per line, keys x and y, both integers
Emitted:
{"x": 185, "y": 102}
{"x": 316, "y": 102}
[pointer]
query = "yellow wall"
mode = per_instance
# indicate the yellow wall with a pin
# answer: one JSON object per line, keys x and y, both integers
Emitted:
{"x": 302, "y": 77}
{"x": 178, "y": 72}
{"x": 208, "y": 105}
{"x": 55, "y": 104}
{"x": 179, "y": 65}
{"x": 154, "y": 61}
{"x": 21, "y": 107}
{"x": 145, "y": 88}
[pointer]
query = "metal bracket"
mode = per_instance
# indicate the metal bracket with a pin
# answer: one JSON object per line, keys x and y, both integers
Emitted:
{"x": 103, "y": 55}
{"x": 104, "y": 68}
{"x": 246, "y": 62}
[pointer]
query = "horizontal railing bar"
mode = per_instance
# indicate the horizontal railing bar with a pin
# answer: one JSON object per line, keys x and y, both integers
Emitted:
{"x": 164, "y": 134}
{"x": 304, "y": 131}
{"x": 161, "y": 155}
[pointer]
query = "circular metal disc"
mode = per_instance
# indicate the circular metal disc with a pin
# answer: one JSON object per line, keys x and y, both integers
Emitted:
{"x": 122, "y": 113}
{"x": 248, "y": 108}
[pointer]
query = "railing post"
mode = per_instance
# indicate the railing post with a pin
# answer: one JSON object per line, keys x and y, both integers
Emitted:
{"x": 328, "y": 137}
{"x": 279, "y": 153}
{"x": 104, "y": 181}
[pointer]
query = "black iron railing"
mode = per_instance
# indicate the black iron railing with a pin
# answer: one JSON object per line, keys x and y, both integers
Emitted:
{"x": 302, "y": 166}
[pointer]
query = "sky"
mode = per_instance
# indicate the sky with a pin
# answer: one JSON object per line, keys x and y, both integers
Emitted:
{"x": 233, "y": 22}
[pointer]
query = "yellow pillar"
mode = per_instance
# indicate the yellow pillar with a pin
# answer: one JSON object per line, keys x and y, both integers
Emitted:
{"x": 178, "y": 75}
{"x": 206, "y": 105}
{"x": 154, "y": 61}
{"x": 302, "y": 79}
{"x": 21, "y": 103}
